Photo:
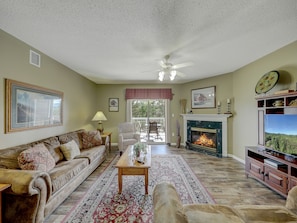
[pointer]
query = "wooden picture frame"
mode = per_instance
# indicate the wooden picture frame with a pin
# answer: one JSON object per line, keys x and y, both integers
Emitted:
{"x": 113, "y": 104}
{"x": 204, "y": 97}
{"x": 29, "y": 107}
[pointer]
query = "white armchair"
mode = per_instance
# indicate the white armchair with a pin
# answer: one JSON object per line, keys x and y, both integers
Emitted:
{"x": 127, "y": 135}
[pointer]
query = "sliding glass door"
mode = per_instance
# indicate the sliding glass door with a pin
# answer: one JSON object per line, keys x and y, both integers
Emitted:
{"x": 143, "y": 113}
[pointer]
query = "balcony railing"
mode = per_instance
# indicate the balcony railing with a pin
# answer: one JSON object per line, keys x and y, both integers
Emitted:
{"x": 142, "y": 124}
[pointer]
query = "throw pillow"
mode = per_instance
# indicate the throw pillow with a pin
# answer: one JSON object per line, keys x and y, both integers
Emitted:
{"x": 36, "y": 158}
{"x": 91, "y": 139}
{"x": 70, "y": 150}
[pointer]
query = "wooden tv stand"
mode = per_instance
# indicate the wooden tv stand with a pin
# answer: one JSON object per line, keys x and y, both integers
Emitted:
{"x": 278, "y": 173}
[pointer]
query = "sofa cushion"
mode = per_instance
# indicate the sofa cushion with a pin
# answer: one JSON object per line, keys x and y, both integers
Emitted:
{"x": 265, "y": 213}
{"x": 211, "y": 213}
{"x": 91, "y": 139}
{"x": 36, "y": 158}
{"x": 67, "y": 137}
{"x": 66, "y": 170}
{"x": 53, "y": 145}
{"x": 70, "y": 150}
{"x": 92, "y": 153}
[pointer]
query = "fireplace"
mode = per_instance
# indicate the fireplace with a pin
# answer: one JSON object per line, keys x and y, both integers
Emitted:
{"x": 206, "y": 133}
{"x": 204, "y": 138}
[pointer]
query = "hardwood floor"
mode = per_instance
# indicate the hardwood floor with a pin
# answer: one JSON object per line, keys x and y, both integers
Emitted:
{"x": 224, "y": 178}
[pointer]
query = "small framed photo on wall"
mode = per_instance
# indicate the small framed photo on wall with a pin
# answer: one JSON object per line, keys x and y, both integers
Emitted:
{"x": 113, "y": 104}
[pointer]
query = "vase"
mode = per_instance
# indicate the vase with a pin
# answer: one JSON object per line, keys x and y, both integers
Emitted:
{"x": 178, "y": 141}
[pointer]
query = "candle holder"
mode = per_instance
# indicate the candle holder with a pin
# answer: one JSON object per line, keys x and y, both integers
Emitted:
{"x": 228, "y": 106}
{"x": 219, "y": 108}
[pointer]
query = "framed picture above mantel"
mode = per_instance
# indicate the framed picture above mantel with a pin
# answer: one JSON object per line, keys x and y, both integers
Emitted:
{"x": 203, "y": 97}
{"x": 29, "y": 107}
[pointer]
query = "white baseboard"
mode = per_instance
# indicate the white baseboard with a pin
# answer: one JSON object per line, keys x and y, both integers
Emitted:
{"x": 237, "y": 158}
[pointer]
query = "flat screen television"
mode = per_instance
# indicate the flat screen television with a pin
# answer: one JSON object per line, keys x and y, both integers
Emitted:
{"x": 281, "y": 133}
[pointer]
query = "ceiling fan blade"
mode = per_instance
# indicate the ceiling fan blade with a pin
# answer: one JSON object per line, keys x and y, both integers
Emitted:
{"x": 180, "y": 74}
{"x": 187, "y": 64}
{"x": 162, "y": 64}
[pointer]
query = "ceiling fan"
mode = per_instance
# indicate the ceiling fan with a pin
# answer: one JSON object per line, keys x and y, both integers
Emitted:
{"x": 168, "y": 68}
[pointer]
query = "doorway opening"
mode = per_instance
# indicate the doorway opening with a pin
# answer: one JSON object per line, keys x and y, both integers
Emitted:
{"x": 149, "y": 116}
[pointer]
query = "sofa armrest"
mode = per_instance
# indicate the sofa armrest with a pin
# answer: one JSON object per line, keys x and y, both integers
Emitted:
{"x": 26, "y": 182}
{"x": 167, "y": 204}
{"x": 137, "y": 136}
{"x": 291, "y": 202}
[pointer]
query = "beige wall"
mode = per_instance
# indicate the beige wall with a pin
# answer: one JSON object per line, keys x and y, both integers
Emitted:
{"x": 104, "y": 92}
{"x": 82, "y": 98}
{"x": 79, "y": 93}
{"x": 239, "y": 86}
{"x": 224, "y": 90}
{"x": 244, "y": 82}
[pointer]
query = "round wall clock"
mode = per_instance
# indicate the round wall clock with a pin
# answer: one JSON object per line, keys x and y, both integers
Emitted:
{"x": 267, "y": 82}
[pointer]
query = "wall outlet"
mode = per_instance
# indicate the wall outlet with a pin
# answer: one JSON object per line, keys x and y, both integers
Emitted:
{"x": 173, "y": 134}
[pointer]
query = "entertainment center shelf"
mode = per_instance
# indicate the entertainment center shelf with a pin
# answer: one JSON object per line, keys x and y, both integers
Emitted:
{"x": 278, "y": 103}
{"x": 276, "y": 170}
{"x": 273, "y": 167}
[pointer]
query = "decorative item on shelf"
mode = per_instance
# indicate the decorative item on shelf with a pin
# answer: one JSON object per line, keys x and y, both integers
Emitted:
{"x": 267, "y": 82}
{"x": 99, "y": 116}
{"x": 278, "y": 103}
{"x": 293, "y": 103}
{"x": 228, "y": 106}
{"x": 138, "y": 148}
{"x": 219, "y": 107}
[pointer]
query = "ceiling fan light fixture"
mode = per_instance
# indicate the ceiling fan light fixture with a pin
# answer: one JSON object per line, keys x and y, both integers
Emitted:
{"x": 172, "y": 75}
{"x": 161, "y": 75}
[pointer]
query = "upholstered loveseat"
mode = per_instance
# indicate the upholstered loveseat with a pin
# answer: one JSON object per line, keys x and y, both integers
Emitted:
{"x": 169, "y": 209}
{"x": 44, "y": 173}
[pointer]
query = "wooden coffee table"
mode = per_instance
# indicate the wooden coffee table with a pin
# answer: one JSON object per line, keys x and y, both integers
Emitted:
{"x": 128, "y": 166}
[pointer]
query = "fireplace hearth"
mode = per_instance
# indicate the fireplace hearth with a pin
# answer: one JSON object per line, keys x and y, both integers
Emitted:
{"x": 206, "y": 133}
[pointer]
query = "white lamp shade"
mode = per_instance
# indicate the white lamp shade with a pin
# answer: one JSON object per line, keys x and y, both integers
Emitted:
{"x": 99, "y": 116}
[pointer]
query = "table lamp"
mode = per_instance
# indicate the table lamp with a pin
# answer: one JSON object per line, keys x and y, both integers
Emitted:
{"x": 99, "y": 116}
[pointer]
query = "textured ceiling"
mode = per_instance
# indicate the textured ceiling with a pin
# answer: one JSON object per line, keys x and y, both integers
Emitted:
{"x": 122, "y": 41}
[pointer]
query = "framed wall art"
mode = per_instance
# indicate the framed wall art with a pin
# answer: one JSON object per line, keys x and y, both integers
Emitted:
{"x": 204, "y": 97}
{"x": 28, "y": 106}
{"x": 113, "y": 104}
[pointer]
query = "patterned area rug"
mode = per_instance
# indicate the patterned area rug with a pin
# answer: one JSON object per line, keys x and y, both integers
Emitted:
{"x": 102, "y": 203}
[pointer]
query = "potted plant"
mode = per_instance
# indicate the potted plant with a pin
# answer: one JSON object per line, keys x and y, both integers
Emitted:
{"x": 138, "y": 148}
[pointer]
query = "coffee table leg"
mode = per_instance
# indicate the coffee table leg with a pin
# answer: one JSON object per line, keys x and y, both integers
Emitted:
{"x": 120, "y": 180}
{"x": 146, "y": 181}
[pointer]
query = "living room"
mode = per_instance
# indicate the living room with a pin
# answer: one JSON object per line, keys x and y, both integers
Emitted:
{"x": 82, "y": 98}
{"x": 78, "y": 112}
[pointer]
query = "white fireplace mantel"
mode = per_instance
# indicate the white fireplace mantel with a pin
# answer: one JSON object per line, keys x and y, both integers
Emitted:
{"x": 223, "y": 118}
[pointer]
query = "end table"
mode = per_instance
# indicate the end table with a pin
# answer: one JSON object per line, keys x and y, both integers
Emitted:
{"x": 2, "y": 188}
{"x": 104, "y": 135}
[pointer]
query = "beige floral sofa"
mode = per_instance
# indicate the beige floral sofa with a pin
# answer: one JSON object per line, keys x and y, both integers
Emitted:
{"x": 169, "y": 209}
{"x": 44, "y": 173}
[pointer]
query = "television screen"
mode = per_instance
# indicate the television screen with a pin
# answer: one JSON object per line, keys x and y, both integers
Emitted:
{"x": 281, "y": 133}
